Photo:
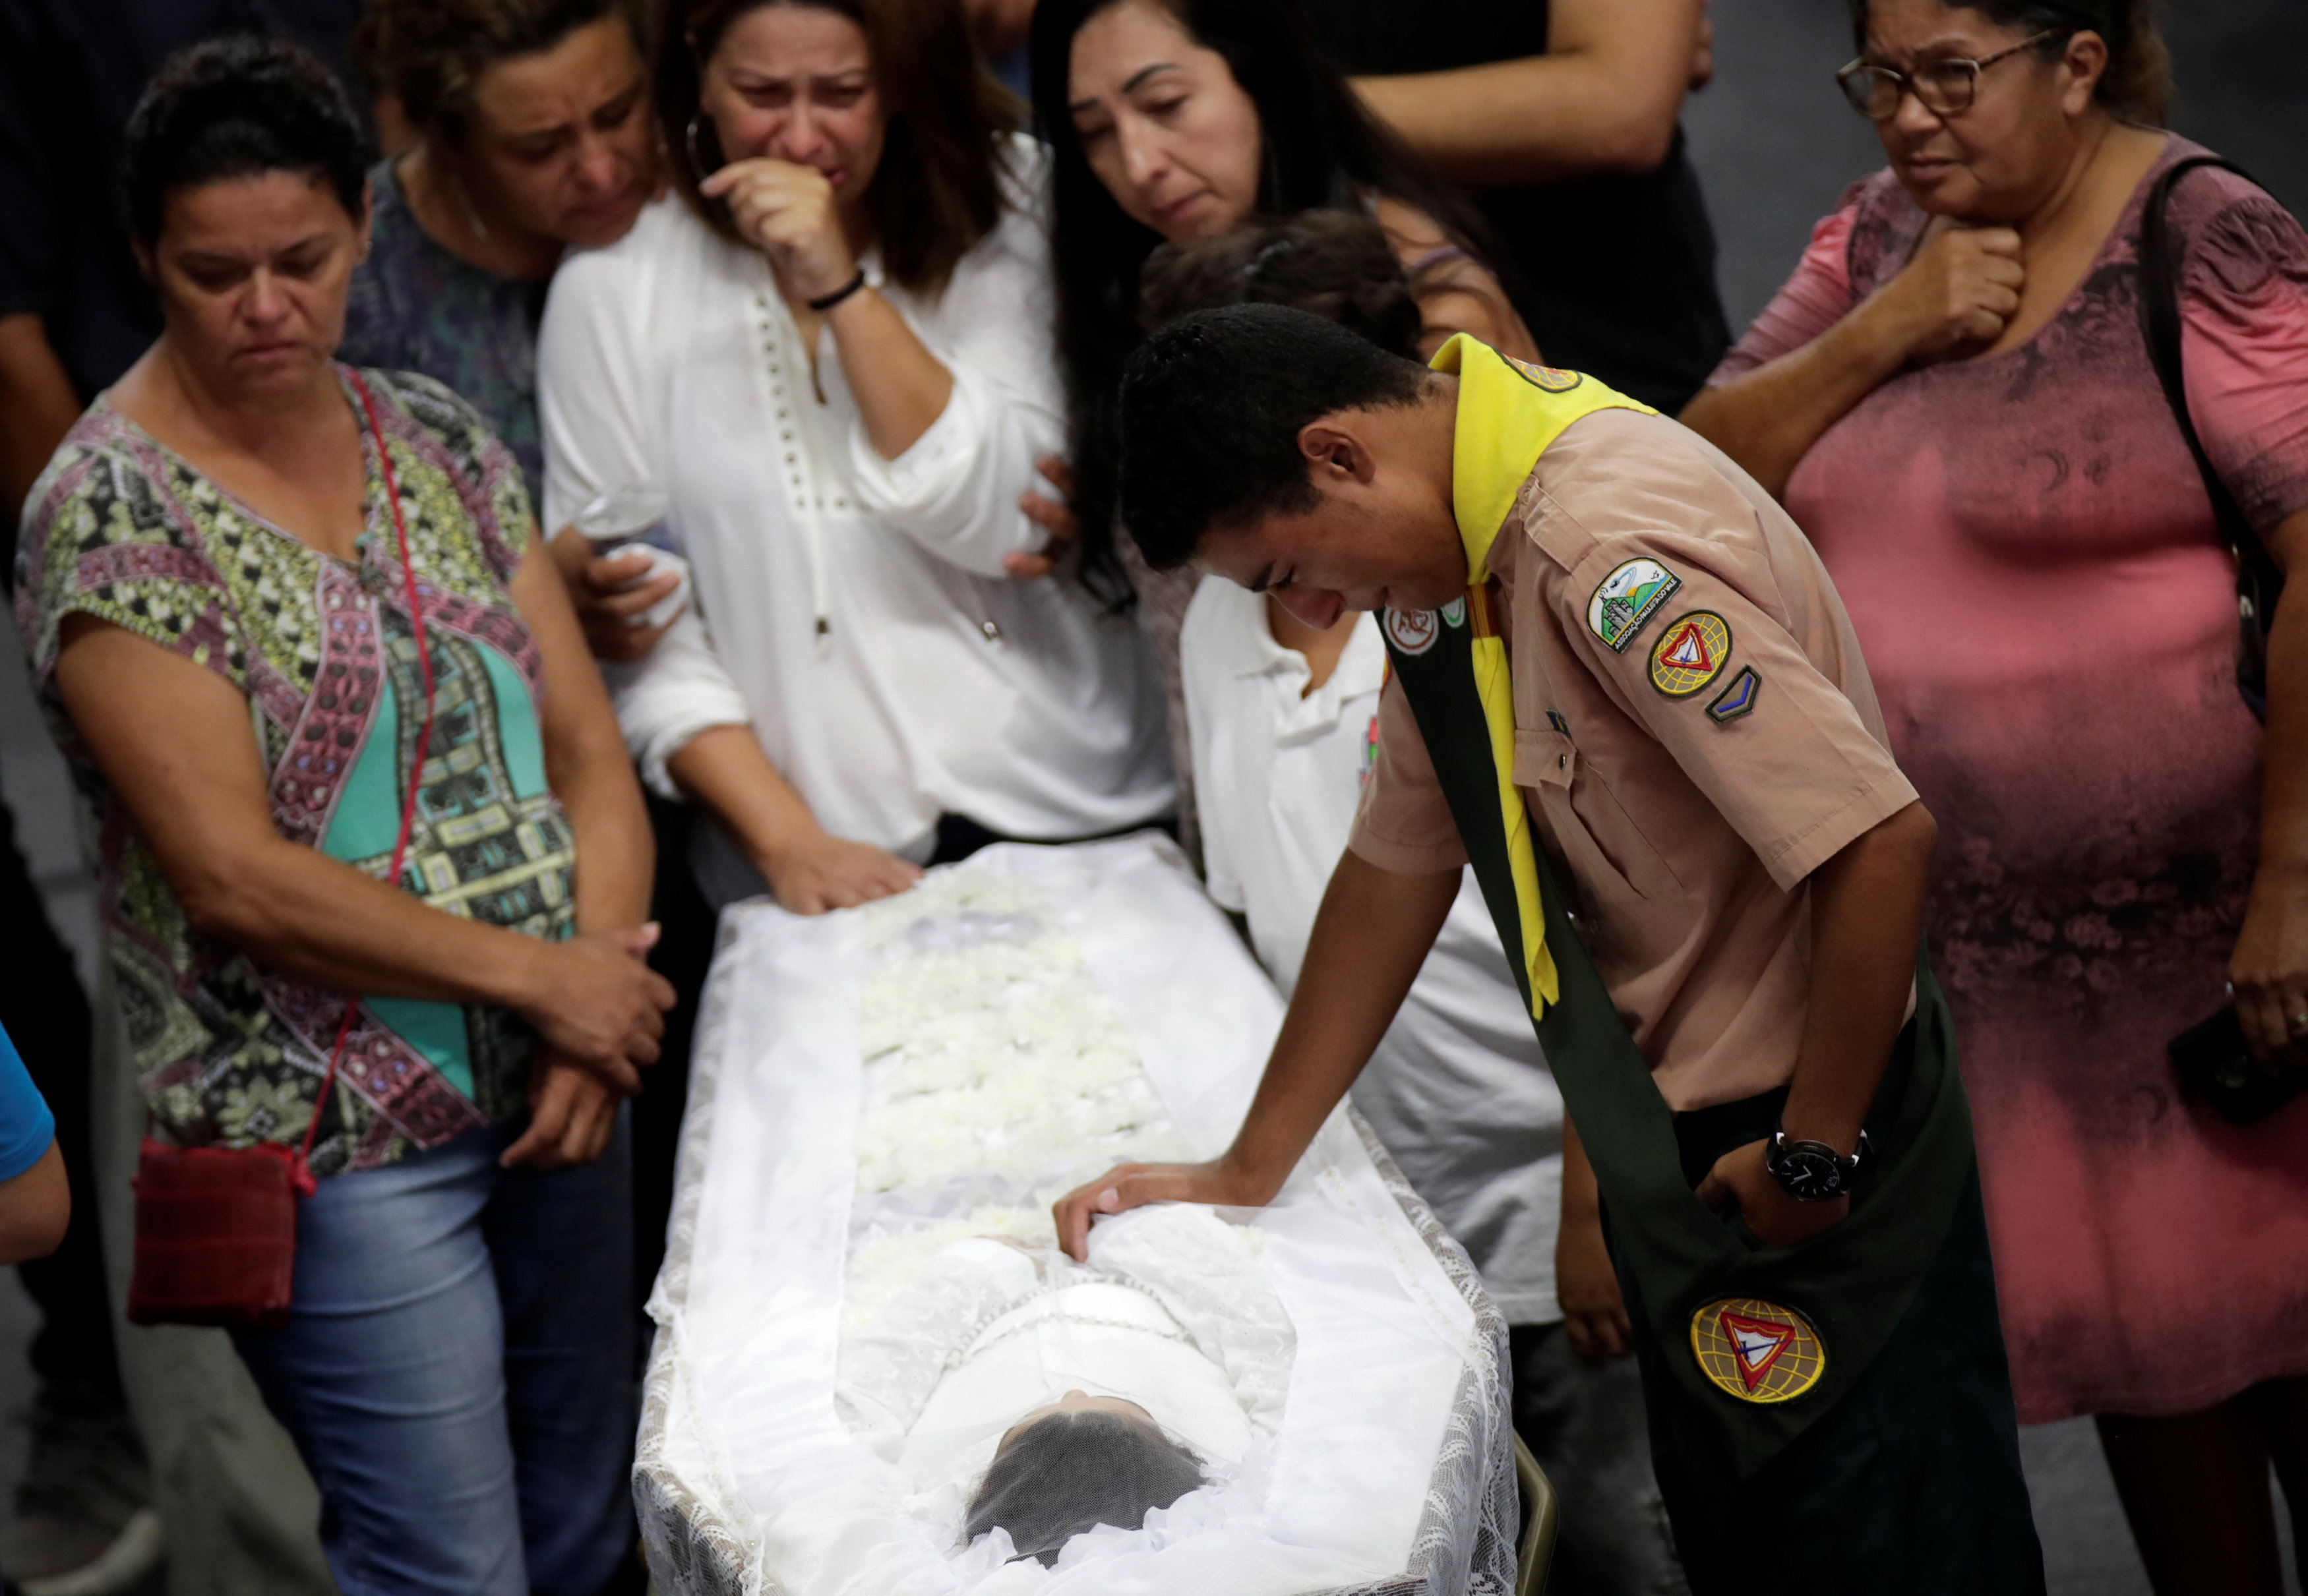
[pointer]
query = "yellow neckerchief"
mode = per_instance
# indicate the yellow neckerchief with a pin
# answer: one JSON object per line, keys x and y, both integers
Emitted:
{"x": 1508, "y": 413}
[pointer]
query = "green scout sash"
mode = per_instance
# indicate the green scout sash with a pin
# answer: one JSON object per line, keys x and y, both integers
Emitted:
{"x": 1766, "y": 1341}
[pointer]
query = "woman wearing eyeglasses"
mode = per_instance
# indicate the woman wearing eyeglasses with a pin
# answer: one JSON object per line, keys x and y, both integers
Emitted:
{"x": 1955, "y": 397}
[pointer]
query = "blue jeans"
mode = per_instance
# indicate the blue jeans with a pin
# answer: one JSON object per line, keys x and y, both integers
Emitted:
{"x": 459, "y": 1371}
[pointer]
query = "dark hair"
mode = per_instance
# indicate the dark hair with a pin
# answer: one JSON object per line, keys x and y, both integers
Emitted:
{"x": 238, "y": 106}
{"x": 1335, "y": 264}
{"x": 430, "y": 54}
{"x": 938, "y": 191}
{"x": 2138, "y": 82}
{"x": 1318, "y": 145}
{"x": 1070, "y": 1472}
{"x": 1211, "y": 408}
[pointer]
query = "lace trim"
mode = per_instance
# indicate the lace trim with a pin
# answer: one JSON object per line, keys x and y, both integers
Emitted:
{"x": 969, "y": 1346}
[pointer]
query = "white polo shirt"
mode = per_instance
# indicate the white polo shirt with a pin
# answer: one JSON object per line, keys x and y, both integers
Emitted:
{"x": 1459, "y": 1090}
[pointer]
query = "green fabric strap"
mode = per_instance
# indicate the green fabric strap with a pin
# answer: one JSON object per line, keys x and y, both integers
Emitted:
{"x": 1854, "y": 1282}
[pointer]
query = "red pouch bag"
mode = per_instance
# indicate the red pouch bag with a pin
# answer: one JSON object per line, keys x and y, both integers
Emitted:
{"x": 216, "y": 1227}
{"x": 216, "y": 1235}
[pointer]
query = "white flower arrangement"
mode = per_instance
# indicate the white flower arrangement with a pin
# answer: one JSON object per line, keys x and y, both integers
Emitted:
{"x": 994, "y": 1066}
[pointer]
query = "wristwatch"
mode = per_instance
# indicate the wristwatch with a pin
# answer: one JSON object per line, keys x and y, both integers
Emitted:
{"x": 1812, "y": 1172}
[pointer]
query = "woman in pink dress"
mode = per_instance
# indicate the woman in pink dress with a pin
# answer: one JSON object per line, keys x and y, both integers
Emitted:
{"x": 1953, "y": 396}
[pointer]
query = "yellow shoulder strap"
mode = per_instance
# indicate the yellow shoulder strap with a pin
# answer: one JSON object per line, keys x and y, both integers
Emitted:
{"x": 1509, "y": 412}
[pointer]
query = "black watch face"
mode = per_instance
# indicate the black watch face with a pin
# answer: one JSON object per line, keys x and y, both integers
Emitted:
{"x": 1810, "y": 1174}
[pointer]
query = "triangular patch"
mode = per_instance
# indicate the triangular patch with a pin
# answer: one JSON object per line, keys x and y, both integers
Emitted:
{"x": 1756, "y": 1345}
{"x": 1687, "y": 650}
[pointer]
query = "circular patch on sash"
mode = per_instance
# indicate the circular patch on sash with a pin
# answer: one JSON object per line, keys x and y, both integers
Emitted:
{"x": 1553, "y": 379}
{"x": 1412, "y": 631}
{"x": 1689, "y": 653}
{"x": 1757, "y": 1351}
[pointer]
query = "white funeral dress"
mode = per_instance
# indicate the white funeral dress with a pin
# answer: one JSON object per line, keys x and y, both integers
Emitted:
{"x": 1173, "y": 1313}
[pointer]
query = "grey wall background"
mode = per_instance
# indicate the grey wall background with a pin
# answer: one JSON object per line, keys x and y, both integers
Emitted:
{"x": 1776, "y": 144}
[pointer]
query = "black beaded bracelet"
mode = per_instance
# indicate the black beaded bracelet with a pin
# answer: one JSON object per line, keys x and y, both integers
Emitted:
{"x": 826, "y": 302}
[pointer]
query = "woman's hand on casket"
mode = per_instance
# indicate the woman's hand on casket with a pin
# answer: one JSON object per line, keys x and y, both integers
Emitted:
{"x": 1219, "y": 1183}
{"x": 571, "y": 1116}
{"x": 817, "y": 871}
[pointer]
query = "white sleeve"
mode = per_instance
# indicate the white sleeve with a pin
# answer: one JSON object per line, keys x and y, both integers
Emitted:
{"x": 1205, "y": 699}
{"x": 956, "y": 491}
{"x": 887, "y": 1369}
{"x": 592, "y": 387}
{"x": 676, "y": 691}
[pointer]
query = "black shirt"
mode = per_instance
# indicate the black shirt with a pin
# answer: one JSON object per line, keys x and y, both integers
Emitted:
{"x": 1616, "y": 275}
{"x": 70, "y": 72}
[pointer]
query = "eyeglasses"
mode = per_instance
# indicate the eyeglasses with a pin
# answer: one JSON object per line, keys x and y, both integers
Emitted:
{"x": 1944, "y": 87}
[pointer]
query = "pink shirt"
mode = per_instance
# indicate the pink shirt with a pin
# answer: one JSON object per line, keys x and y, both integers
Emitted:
{"x": 2026, "y": 548}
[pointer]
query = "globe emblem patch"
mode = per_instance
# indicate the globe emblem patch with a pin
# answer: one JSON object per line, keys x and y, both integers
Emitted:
{"x": 1757, "y": 1351}
{"x": 1691, "y": 653}
{"x": 1412, "y": 631}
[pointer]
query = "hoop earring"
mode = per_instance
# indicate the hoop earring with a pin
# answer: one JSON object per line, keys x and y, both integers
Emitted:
{"x": 689, "y": 137}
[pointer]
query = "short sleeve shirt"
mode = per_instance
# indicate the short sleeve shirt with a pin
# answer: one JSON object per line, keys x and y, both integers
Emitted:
{"x": 1694, "y": 734}
{"x": 230, "y": 1052}
{"x": 414, "y": 306}
{"x": 27, "y": 1127}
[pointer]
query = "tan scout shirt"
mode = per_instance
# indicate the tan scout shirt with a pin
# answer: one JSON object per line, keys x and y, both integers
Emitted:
{"x": 1688, "y": 830}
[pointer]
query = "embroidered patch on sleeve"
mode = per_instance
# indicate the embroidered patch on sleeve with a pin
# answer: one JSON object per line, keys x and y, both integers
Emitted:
{"x": 1554, "y": 719}
{"x": 1737, "y": 699}
{"x": 1626, "y": 600}
{"x": 1691, "y": 653}
{"x": 1757, "y": 1351}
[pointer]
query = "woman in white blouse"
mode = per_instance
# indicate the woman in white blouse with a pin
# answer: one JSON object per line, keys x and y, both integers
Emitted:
{"x": 829, "y": 348}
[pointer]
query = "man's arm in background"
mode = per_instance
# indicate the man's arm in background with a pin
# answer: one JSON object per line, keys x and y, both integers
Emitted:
{"x": 37, "y": 407}
{"x": 1605, "y": 98}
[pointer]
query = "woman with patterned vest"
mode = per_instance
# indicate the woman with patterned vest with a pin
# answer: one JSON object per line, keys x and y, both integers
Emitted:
{"x": 345, "y": 753}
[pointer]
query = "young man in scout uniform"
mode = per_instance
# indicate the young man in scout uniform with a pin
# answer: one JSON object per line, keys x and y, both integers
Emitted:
{"x": 1604, "y": 632}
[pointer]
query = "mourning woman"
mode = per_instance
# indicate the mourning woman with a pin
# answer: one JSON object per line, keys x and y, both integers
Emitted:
{"x": 534, "y": 137}
{"x": 827, "y": 349}
{"x": 1954, "y": 396}
{"x": 1170, "y": 122}
{"x": 373, "y": 866}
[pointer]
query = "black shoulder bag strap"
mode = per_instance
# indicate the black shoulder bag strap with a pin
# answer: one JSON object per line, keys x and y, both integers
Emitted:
{"x": 2260, "y": 581}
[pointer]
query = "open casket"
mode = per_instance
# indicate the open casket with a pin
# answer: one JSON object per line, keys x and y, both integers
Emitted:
{"x": 870, "y": 1086}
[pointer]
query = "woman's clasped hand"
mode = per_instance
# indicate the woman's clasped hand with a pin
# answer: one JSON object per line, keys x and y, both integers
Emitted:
{"x": 598, "y": 1003}
{"x": 1958, "y": 292}
{"x": 787, "y": 210}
